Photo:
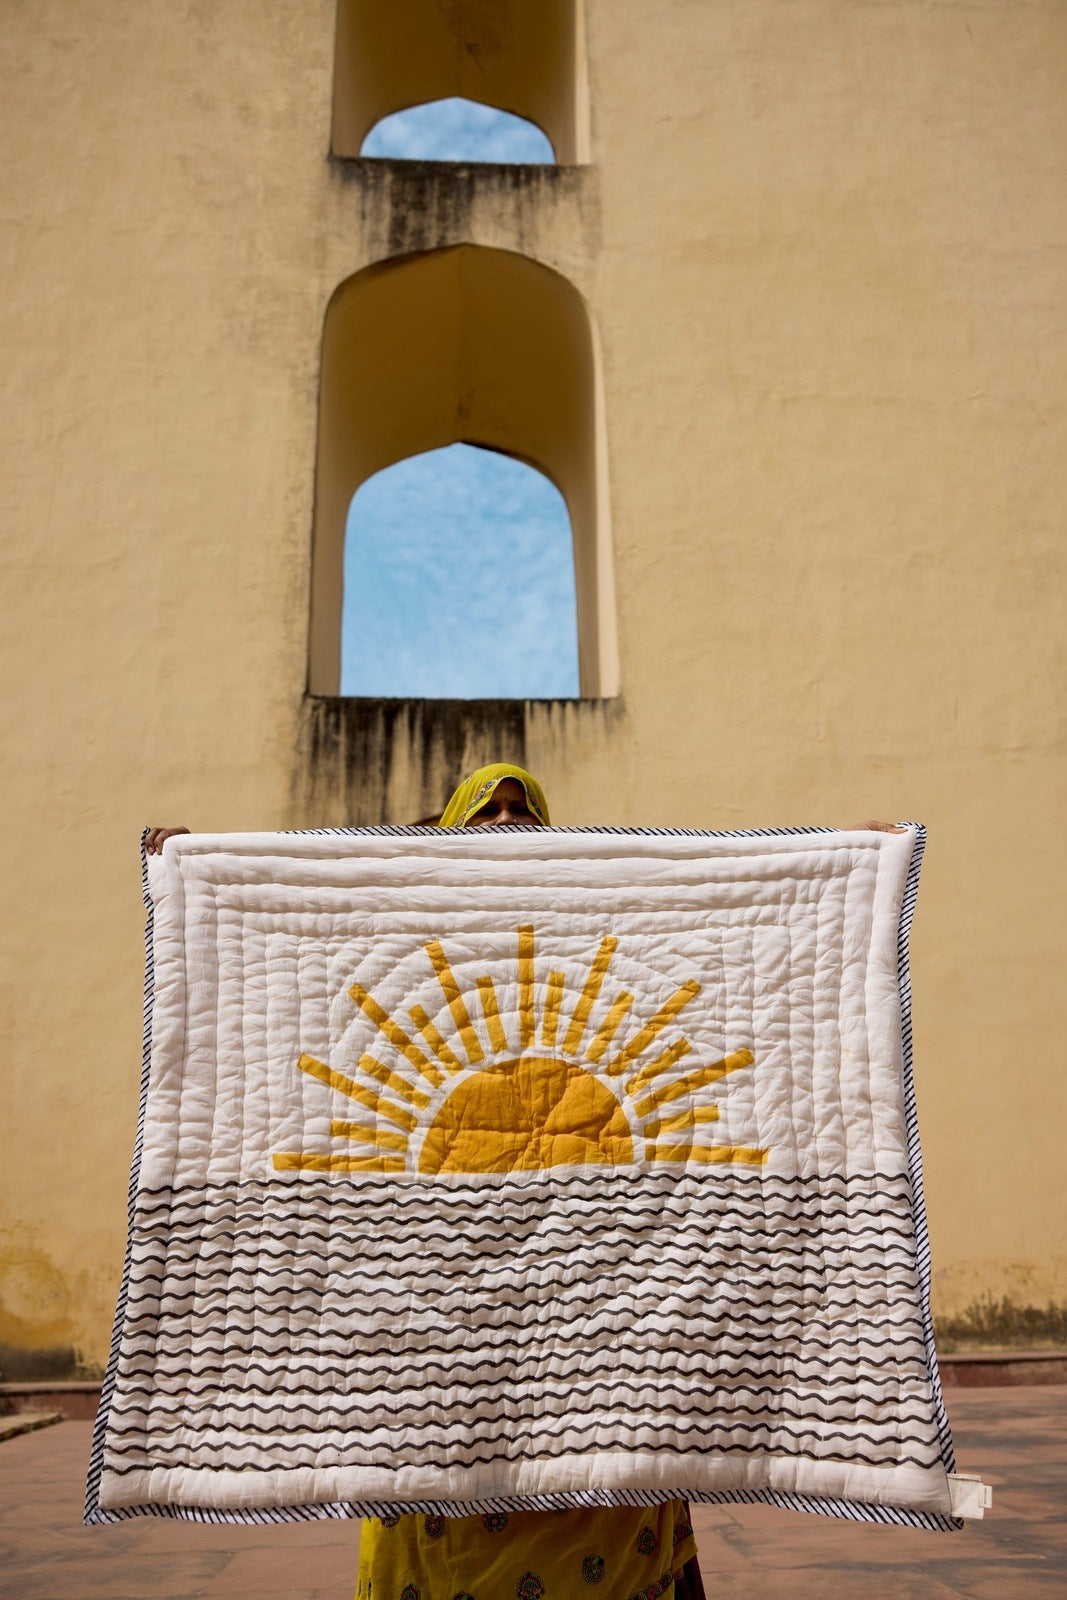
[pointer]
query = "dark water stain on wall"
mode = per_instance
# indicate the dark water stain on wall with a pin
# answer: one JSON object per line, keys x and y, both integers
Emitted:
{"x": 410, "y": 206}
{"x": 22, "y": 1363}
{"x": 991, "y": 1324}
{"x": 366, "y": 761}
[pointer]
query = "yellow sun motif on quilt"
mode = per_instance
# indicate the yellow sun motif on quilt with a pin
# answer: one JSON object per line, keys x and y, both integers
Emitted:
{"x": 490, "y": 1102}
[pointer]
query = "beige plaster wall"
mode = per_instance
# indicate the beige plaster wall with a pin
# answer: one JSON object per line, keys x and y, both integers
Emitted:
{"x": 824, "y": 251}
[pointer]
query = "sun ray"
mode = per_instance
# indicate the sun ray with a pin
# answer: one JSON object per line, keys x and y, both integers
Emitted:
{"x": 367, "y": 1135}
{"x": 662, "y": 1063}
{"x": 697, "y": 1079}
{"x": 460, "y": 1014}
{"x": 299, "y": 1163}
{"x": 365, "y": 1097}
{"x": 430, "y": 1032}
{"x": 707, "y": 1152}
{"x": 609, "y": 1027}
{"x": 526, "y": 987}
{"x": 666, "y": 1013}
{"x": 550, "y": 1014}
{"x": 587, "y": 998}
{"x": 497, "y": 1037}
{"x": 729, "y": 1063}
{"x": 392, "y": 1080}
{"x": 679, "y": 1122}
{"x": 395, "y": 1034}
{"x": 518, "y": 1114}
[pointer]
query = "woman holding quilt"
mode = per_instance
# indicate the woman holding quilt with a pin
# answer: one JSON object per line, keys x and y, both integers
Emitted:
{"x": 620, "y": 1553}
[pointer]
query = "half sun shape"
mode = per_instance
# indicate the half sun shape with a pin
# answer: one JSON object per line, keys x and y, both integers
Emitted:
{"x": 494, "y": 1103}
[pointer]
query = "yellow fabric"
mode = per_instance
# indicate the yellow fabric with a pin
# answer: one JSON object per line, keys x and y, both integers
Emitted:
{"x": 528, "y": 1114}
{"x": 618, "y": 1552}
{"x": 474, "y": 791}
{"x": 622, "y": 1552}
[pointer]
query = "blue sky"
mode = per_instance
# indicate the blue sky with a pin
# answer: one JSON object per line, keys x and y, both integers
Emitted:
{"x": 457, "y": 130}
{"x": 459, "y": 581}
{"x": 459, "y": 568}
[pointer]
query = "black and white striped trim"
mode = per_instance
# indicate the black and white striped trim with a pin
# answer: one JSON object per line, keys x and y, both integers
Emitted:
{"x": 107, "y": 1391}
{"x": 846, "y": 1509}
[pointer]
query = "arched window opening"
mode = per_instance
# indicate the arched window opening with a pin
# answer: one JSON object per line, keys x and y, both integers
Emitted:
{"x": 465, "y": 345}
{"x": 457, "y": 130}
{"x": 459, "y": 582}
{"x": 525, "y": 58}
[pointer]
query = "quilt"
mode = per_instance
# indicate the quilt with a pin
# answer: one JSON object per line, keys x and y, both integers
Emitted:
{"x": 525, "y": 1168}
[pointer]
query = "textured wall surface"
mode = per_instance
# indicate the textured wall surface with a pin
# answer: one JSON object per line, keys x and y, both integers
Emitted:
{"x": 824, "y": 251}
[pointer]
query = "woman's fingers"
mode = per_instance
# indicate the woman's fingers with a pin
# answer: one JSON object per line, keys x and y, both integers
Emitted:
{"x": 876, "y": 827}
{"x": 155, "y": 839}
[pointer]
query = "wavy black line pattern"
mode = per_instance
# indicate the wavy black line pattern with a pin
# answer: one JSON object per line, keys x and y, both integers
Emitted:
{"x": 268, "y": 1329}
{"x": 677, "y": 1443}
{"x": 331, "y": 1377}
{"x": 624, "y": 1292}
{"x": 315, "y": 1367}
{"x": 251, "y": 1259}
{"x": 624, "y": 1193}
{"x": 580, "y": 1308}
{"x": 318, "y": 1363}
{"x": 639, "y": 1190}
{"x": 200, "y": 1247}
{"x": 184, "y": 1233}
{"x": 419, "y": 1440}
{"x": 146, "y": 1400}
{"x": 745, "y": 1233}
{"x": 743, "y": 1221}
{"x": 710, "y": 1399}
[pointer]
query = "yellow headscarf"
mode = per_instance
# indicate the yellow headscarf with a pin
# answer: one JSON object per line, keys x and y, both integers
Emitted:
{"x": 474, "y": 791}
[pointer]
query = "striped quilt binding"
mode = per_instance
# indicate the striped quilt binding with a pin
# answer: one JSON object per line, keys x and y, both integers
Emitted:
{"x": 848, "y": 1510}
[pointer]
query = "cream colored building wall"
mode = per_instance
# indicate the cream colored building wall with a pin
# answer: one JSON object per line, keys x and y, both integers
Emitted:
{"x": 824, "y": 249}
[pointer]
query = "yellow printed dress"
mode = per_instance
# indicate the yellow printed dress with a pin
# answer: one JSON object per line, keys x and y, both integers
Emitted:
{"x": 629, "y": 1553}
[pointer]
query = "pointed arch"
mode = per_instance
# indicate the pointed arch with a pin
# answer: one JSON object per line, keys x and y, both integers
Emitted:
{"x": 527, "y": 58}
{"x": 462, "y": 345}
{"x": 459, "y": 582}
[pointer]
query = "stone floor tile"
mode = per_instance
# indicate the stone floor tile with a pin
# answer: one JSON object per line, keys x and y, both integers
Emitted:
{"x": 26, "y": 1422}
{"x": 286, "y": 1572}
{"x": 136, "y": 1577}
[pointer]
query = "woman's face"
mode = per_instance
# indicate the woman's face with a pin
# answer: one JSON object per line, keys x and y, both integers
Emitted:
{"x": 506, "y": 807}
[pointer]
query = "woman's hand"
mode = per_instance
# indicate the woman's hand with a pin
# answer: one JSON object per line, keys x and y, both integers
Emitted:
{"x": 155, "y": 839}
{"x": 875, "y": 827}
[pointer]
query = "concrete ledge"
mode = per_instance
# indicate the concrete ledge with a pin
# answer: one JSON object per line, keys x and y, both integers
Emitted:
{"x": 26, "y": 1422}
{"x": 75, "y": 1400}
{"x": 996, "y": 1369}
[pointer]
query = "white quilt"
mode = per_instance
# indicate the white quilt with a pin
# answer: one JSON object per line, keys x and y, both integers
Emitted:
{"x": 525, "y": 1168}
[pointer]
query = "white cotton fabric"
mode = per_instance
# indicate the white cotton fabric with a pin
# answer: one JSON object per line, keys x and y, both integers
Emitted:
{"x": 306, "y": 1341}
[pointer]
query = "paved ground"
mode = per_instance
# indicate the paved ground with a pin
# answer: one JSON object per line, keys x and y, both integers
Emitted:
{"x": 27, "y": 1422}
{"x": 1016, "y": 1438}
